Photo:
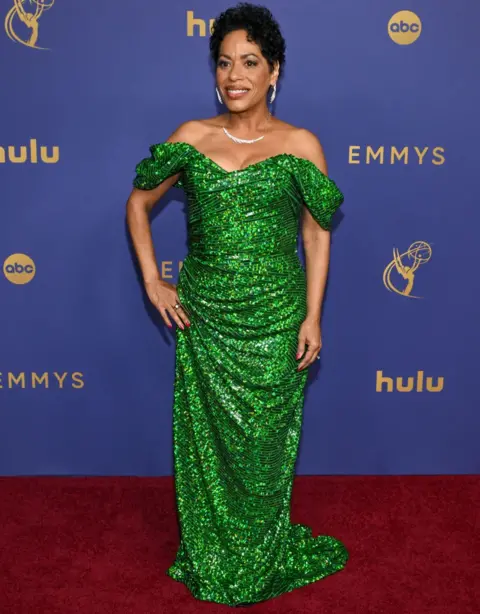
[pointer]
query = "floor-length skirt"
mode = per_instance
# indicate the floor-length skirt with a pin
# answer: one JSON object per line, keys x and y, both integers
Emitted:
{"x": 237, "y": 419}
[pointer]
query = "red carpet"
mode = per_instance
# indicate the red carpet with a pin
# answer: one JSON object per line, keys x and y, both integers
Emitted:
{"x": 101, "y": 545}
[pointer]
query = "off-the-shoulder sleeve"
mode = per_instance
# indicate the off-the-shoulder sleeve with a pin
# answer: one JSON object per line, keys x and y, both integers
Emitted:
{"x": 320, "y": 194}
{"x": 166, "y": 159}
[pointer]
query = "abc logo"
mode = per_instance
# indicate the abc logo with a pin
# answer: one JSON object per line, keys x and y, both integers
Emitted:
{"x": 404, "y": 27}
{"x": 19, "y": 269}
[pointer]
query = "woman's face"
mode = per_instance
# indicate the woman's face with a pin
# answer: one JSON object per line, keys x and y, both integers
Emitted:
{"x": 243, "y": 74}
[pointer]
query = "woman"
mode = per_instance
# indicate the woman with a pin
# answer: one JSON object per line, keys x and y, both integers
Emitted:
{"x": 249, "y": 316}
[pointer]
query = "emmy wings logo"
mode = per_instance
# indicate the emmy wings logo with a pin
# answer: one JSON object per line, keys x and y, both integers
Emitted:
{"x": 406, "y": 266}
{"x": 22, "y": 21}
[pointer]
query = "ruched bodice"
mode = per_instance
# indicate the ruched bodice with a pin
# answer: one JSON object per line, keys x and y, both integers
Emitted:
{"x": 254, "y": 210}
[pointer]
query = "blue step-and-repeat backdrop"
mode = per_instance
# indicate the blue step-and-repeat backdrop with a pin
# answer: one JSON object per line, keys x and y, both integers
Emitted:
{"x": 86, "y": 365}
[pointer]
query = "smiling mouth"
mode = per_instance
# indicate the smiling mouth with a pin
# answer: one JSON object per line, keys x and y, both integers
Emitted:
{"x": 236, "y": 92}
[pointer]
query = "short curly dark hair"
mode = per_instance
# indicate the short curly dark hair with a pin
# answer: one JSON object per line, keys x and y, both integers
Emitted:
{"x": 261, "y": 27}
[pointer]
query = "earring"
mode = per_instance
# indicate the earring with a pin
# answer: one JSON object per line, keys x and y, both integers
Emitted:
{"x": 272, "y": 97}
{"x": 218, "y": 96}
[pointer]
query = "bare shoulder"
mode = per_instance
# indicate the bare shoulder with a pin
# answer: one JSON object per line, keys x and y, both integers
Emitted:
{"x": 193, "y": 131}
{"x": 305, "y": 144}
{"x": 187, "y": 132}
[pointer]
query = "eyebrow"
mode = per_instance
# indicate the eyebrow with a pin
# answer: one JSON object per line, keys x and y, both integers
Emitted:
{"x": 244, "y": 55}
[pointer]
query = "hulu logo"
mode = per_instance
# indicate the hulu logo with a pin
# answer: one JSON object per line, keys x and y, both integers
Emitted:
{"x": 408, "y": 384}
{"x": 197, "y": 25}
{"x": 29, "y": 153}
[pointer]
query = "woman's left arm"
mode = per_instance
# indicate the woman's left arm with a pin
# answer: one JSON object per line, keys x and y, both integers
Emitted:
{"x": 316, "y": 241}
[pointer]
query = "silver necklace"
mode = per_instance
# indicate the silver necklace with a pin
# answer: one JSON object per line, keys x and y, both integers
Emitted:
{"x": 237, "y": 140}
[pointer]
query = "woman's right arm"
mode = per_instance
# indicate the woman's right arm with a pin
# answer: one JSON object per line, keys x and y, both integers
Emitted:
{"x": 161, "y": 293}
{"x": 139, "y": 205}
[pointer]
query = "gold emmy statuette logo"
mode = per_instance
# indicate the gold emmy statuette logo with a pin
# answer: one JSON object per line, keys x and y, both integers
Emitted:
{"x": 19, "y": 269}
{"x": 419, "y": 253}
{"x": 20, "y": 20}
{"x": 404, "y": 27}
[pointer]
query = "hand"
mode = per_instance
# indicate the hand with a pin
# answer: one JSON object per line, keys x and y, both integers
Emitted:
{"x": 164, "y": 297}
{"x": 311, "y": 336}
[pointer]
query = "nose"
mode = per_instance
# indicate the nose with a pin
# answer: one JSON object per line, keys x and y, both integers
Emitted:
{"x": 236, "y": 71}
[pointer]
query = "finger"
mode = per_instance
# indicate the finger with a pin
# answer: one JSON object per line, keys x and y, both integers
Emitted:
{"x": 173, "y": 312}
{"x": 308, "y": 358}
{"x": 163, "y": 313}
{"x": 182, "y": 314}
{"x": 303, "y": 365}
{"x": 304, "y": 359}
{"x": 182, "y": 306}
{"x": 300, "y": 348}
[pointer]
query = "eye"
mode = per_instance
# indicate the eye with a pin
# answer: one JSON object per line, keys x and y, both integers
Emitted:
{"x": 251, "y": 63}
{"x": 222, "y": 63}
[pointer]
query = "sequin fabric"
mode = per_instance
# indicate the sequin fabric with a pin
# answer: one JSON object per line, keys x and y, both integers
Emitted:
{"x": 238, "y": 396}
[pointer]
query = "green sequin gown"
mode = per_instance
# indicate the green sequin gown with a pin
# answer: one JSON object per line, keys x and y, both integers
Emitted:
{"x": 238, "y": 397}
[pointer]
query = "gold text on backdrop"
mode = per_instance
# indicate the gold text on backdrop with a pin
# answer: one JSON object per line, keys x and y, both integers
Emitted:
{"x": 196, "y": 24}
{"x": 404, "y": 27}
{"x": 19, "y": 269}
{"x": 412, "y": 384}
{"x": 381, "y": 155}
{"x": 31, "y": 380}
{"x": 29, "y": 153}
